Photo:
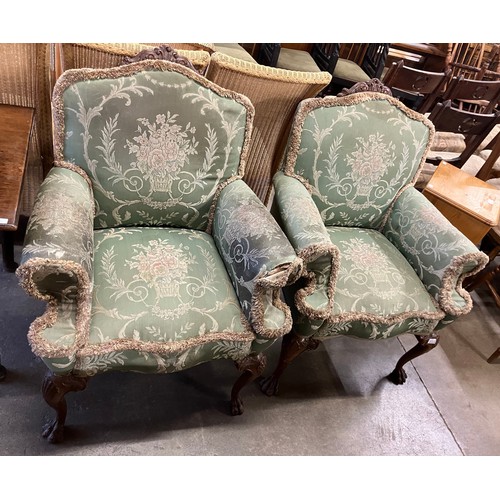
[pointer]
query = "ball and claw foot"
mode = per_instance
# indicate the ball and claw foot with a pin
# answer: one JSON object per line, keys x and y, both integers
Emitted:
{"x": 53, "y": 432}
{"x": 237, "y": 407}
{"x": 398, "y": 376}
{"x": 269, "y": 386}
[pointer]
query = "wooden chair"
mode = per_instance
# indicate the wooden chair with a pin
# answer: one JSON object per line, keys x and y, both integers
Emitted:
{"x": 466, "y": 59}
{"x": 275, "y": 94}
{"x": 416, "y": 88}
{"x": 347, "y": 72}
{"x": 489, "y": 276}
{"x": 274, "y": 55}
{"x": 473, "y": 126}
{"x": 479, "y": 96}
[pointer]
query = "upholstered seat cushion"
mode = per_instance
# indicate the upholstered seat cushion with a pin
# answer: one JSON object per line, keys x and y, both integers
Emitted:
{"x": 377, "y": 293}
{"x": 296, "y": 60}
{"x": 162, "y": 301}
{"x": 447, "y": 141}
{"x": 349, "y": 70}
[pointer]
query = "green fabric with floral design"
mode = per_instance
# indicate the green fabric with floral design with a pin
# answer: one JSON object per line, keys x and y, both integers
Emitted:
{"x": 60, "y": 226}
{"x": 155, "y": 144}
{"x": 254, "y": 249}
{"x": 433, "y": 246}
{"x": 357, "y": 157}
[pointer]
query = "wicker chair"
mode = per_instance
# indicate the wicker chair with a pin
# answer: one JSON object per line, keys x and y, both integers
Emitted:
{"x": 24, "y": 81}
{"x": 275, "y": 94}
{"x": 105, "y": 55}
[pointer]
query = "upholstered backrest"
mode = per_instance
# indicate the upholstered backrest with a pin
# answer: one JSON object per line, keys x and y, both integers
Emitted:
{"x": 355, "y": 154}
{"x": 157, "y": 140}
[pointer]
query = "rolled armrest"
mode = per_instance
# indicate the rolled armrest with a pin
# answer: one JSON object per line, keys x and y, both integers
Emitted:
{"x": 258, "y": 257}
{"x": 56, "y": 263}
{"x": 300, "y": 219}
{"x": 440, "y": 254}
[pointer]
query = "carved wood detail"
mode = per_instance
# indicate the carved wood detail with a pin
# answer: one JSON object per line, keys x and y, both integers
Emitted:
{"x": 373, "y": 85}
{"x": 425, "y": 344}
{"x": 252, "y": 367}
{"x": 54, "y": 389}
{"x": 164, "y": 52}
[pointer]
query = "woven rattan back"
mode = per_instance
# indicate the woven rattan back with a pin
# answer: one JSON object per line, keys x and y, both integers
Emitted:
{"x": 275, "y": 94}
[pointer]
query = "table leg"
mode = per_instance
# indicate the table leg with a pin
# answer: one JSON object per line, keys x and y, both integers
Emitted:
{"x": 8, "y": 251}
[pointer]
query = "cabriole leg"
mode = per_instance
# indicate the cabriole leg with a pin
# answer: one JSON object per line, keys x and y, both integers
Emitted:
{"x": 54, "y": 390}
{"x": 252, "y": 367}
{"x": 425, "y": 344}
{"x": 291, "y": 346}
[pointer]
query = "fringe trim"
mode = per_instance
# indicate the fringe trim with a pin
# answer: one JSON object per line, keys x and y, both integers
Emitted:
{"x": 72, "y": 76}
{"x": 451, "y": 283}
{"x": 308, "y": 105}
{"x": 274, "y": 281}
{"x": 310, "y": 254}
{"x": 39, "y": 345}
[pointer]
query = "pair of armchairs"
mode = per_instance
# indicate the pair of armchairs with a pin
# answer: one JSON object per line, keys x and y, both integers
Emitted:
{"x": 154, "y": 256}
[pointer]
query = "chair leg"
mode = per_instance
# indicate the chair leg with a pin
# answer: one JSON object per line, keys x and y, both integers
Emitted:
{"x": 494, "y": 356}
{"x": 54, "y": 390}
{"x": 292, "y": 345}
{"x": 425, "y": 344}
{"x": 3, "y": 372}
{"x": 252, "y": 367}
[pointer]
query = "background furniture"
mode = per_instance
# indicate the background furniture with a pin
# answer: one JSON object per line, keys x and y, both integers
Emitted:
{"x": 416, "y": 88}
{"x": 107, "y": 55}
{"x": 470, "y": 204}
{"x": 349, "y": 71}
{"x": 275, "y": 93}
{"x": 151, "y": 252}
{"x": 25, "y": 81}
{"x": 16, "y": 123}
{"x": 478, "y": 96}
{"x": 380, "y": 259}
{"x": 467, "y": 131}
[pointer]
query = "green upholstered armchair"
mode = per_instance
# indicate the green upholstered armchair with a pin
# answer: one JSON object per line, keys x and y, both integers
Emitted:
{"x": 151, "y": 252}
{"x": 379, "y": 259}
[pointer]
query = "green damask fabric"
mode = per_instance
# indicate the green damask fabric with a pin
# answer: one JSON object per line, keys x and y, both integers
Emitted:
{"x": 377, "y": 293}
{"x": 155, "y": 144}
{"x": 435, "y": 248}
{"x": 257, "y": 255}
{"x": 357, "y": 157}
{"x": 60, "y": 226}
{"x": 160, "y": 285}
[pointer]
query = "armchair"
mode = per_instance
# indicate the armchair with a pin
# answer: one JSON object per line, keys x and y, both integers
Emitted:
{"x": 379, "y": 258}
{"x": 152, "y": 254}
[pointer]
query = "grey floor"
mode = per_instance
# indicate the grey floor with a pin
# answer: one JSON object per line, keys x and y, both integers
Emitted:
{"x": 334, "y": 401}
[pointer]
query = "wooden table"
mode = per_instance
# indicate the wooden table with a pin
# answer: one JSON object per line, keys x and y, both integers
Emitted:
{"x": 470, "y": 204}
{"x": 16, "y": 123}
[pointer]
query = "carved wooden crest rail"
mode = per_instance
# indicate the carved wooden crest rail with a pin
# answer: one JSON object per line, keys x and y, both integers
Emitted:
{"x": 164, "y": 52}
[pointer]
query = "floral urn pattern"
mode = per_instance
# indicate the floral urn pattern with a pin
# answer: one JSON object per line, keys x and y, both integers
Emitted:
{"x": 369, "y": 162}
{"x": 162, "y": 266}
{"x": 162, "y": 149}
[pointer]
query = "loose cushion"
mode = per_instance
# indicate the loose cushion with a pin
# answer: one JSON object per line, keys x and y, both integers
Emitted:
{"x": 296, "y": 60}
{"x": 349, "y": 70}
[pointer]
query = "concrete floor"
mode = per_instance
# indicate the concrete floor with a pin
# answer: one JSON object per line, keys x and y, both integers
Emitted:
{"x": 334, "y": 401}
